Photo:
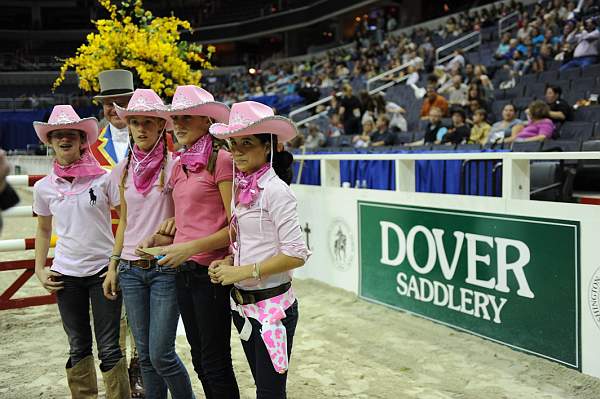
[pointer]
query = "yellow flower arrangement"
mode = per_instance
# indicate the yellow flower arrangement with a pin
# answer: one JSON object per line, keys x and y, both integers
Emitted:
{"x": 136, "y": 40}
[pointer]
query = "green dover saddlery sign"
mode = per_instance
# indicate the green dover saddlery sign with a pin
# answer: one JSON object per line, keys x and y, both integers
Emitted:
{"x": 511, "y": 279}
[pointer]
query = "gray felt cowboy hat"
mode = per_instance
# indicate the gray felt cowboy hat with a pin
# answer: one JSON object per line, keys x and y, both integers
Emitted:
{"x": 115, "y": 83}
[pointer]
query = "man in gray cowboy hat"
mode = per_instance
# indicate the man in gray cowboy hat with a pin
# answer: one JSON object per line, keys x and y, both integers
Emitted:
{"x": 116, "y": 86}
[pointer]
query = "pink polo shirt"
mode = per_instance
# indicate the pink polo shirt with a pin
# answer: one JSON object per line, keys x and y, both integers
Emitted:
{"x": 82, "y": 221}
{"x": 199, "y": 210}
{"x": 144, "y": 213}
{"x": 268, "y": 227}
{"x": 543, "y": 127}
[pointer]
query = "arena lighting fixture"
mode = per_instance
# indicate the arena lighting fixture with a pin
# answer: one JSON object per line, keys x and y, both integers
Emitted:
{"x": 251, "y": 71}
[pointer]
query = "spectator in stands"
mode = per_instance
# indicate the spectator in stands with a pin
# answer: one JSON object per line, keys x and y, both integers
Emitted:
{"x": 539, "y": 128}
{"x": 503, "y": 46}
{"x": 459, "y": 132}
{"x": 396, "y": 114}
{"x": 476, "y": 93}
{"x": 469, "y": 74}
{"x": 504, "y": 128}
{"x": 382, "y": 136}
{"x": 363, "y": 139}
{"x": 433, "y": 99}
{"x": 314, "y": 139}
{"x": 512, "y": 48}
{"x": 586, "y": 45}
{"x": 350, "y": 111}
{"x": 510, "y": 81}
{"x": 457, "y": 92}
{"x": 487, "y": 87}
{"x": 434, "y": 130}
{"x": 481, "y": 129}
{"x": 336, "y": 128}
{"x": 457, "y": 61}
{"x": 560, "y": 110}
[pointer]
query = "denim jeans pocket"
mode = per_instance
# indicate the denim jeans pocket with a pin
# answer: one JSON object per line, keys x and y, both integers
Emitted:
{"x": 123, "y": 267}
{"x": 166, "y": 269}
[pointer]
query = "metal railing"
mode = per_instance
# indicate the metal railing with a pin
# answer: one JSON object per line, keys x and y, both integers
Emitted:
{"x": 475, "y": 37}
{"x": 385, "y": 74}
{"x": 507, "y": 23}
{"x": 310, "y": 107}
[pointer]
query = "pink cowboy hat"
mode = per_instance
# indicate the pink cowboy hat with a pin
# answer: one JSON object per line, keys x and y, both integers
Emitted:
{"x": 145, "y": 102}
{"x": 249, "y": 117}
{"x": 194, "y": 100}
{"x": 65, "y": 117}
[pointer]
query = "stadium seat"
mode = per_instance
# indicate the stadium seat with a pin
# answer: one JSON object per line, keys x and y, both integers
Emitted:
{"x": 571, "y": 73}
{"x": 588, "y": 114}
{"x": 522, "y": 102}
{"x": 550, "y": 75}
{"x": 583, "y": 84}
{"x": 588, "y": 171}
{"x": 513, "y": 92}
{"x": 443, "y": 147}
{"x": 403, "y": 138}
{"x": 526, "y": 146}
{"x": 576, "y": 130}
{"x": 528, "y": 79}
{"x": 551, "y": 181}
{"x": 468, "y": 147}
{"x": 592, "y": 71}
{"x": 562, "y": 145}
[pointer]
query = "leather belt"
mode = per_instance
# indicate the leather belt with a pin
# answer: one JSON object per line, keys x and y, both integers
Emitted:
{"x": 244, "y": 297}
{"x": 141, "y": 263}
{"x": 190, "y": 266}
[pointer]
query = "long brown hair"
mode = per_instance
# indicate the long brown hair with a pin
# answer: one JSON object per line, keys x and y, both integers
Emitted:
{"x": 217, "y": 144}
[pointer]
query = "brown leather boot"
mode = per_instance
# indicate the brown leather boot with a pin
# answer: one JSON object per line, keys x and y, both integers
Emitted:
{"x": 82, "y": 379}
{"x": 116, "y": 381}
{"x": 135, "y": 378}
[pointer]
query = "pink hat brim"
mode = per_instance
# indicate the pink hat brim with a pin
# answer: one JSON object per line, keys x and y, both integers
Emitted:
{"x": 282, "y": 127}
{"x": 124, "y": 113}
{"x": 216, "y": 110}
{"x": 87, "y": 125}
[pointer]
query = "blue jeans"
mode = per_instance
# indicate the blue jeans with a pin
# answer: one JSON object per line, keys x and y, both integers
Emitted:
{"x": 579, "y": 62}
{"x": 151, "y": 302}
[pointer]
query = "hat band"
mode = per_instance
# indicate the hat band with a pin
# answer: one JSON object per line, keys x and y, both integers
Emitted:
{"x": 113, "y": 92}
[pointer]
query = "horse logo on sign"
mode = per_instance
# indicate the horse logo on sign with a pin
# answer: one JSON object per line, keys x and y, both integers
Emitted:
{"x": 341, "y": 244}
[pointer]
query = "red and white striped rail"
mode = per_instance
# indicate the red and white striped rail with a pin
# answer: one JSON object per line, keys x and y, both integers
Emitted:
{"x": 23, "y": 180}
{"x": 22, "y": 244}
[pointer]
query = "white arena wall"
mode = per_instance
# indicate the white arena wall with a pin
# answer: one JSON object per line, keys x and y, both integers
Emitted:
{"x": 551, "y": 255}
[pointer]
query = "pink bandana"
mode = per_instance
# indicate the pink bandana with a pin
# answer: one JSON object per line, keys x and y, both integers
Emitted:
{"x": 146, "y": 166}
{"x": 196, "y": 157}
{"x": 247, "y": 185}
{"x": 85, "y": 166}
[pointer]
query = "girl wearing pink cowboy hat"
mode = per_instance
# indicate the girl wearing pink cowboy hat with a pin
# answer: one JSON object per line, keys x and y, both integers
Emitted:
{"x": 78, "y": 195}
{"x": 201, "y": 182}
{"x": 148, "y": 288}
{"x": 267, "y": 243}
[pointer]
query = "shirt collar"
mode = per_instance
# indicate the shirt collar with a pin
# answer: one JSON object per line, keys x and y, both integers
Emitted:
{"x": 262, "y": 181}
{"x": 119, "y": 135}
